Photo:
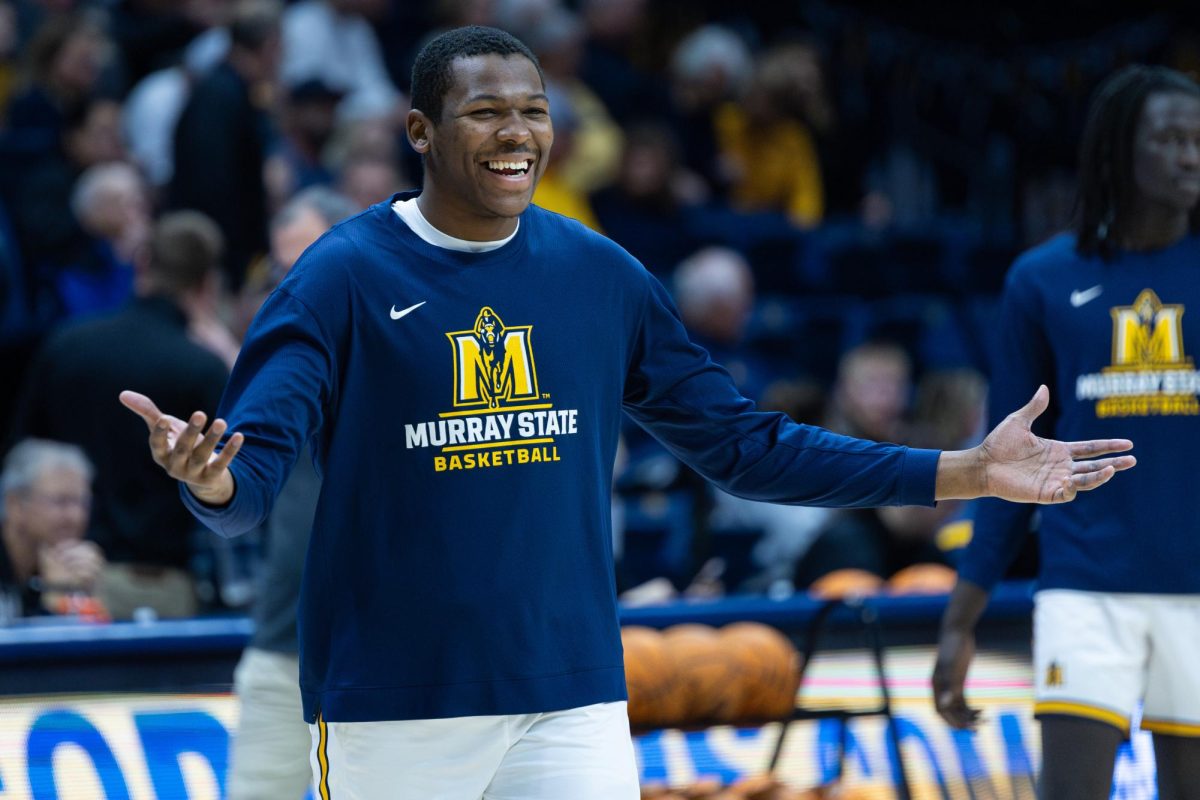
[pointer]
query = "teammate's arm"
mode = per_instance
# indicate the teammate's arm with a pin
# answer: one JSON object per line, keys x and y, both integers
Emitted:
{"x": 1024, "y": 361}
{"x": 956, "y": 648}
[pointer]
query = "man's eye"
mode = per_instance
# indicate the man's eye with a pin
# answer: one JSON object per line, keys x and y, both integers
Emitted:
{"x": 536, "y": 112}
{"x": 483, "y": 112}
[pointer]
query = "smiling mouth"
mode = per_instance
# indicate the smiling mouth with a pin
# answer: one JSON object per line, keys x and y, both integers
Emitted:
{"x": 513, "y": 168}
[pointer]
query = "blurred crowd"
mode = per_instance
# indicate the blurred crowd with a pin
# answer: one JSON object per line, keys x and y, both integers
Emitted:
{"x": 832, "y": 193}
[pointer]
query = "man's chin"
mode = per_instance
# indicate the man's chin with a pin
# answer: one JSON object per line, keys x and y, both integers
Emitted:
{"x": 510, "y": 207}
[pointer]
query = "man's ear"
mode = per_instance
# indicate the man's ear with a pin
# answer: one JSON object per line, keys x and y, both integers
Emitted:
{"x": 419, "y": 128}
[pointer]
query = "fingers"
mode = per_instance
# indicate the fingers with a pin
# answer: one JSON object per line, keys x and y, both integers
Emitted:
{"x": 953, "y": 708}
{"x": 1086, "y": 481}
{"x": 1034, "y": 408}
{"x": 1098, "y": 447}
{"x": 184, "y": 449}
{"x": 1119, "y": 464}
{"x": 230, "y": 450}
{"x": 180, "y": 462}
{"x": 202, "y": 453}
{"x": 142, "y": 406}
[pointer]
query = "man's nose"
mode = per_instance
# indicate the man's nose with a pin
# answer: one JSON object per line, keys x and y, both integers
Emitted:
{"x": 515, "y": 129}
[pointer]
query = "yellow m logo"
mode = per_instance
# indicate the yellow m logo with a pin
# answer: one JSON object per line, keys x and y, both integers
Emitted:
{"x": 1148, "y": 333}
{"x": 493, "y": 364}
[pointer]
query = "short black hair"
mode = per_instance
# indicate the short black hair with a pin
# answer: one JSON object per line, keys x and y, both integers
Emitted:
{"x": 185, "y": 246}
{"x": 431, "y": 75}
{"x": 1106, "y": 185}
{"x": 255, "y": 22}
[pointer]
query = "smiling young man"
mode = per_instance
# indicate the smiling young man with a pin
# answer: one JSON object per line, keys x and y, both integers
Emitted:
{"x": 460, "y": 360}
{"x": 1098, "y": 315}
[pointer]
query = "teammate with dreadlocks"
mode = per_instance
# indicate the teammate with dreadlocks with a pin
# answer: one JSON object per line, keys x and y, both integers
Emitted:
{"x": 1098, "y": 316}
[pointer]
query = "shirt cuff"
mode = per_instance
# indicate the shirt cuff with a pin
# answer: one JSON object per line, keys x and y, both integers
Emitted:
{"x": 918, "y": 477}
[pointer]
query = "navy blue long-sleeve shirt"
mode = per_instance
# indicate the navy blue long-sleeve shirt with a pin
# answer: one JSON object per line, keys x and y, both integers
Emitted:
{"x": 1113, "y": 343}
{"x": 464, "y": 411}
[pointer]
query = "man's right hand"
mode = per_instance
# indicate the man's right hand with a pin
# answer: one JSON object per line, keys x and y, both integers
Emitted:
{"x": 186, "y": 452}
{"x": 956, "y": 648}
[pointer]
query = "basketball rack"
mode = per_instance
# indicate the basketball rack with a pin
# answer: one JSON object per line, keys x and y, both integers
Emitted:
{"x": 868, "y": 616}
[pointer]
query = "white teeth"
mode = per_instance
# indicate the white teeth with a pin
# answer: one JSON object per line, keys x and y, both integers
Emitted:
{"x": 518, "y": 165}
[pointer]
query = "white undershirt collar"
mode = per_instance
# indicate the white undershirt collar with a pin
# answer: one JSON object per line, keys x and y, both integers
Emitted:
{"x": 408, "y": 211}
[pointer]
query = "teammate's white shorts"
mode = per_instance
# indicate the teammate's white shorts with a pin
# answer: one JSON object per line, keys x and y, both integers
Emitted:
{"x": 581, "y": 754}
{"x": 268, "y": 756}
{"x": 1096, "y": 654}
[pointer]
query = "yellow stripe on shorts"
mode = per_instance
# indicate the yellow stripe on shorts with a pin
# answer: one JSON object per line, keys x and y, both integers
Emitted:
{"x": 1083, "y": 710}
{"x": 1170, "y": 728}
{"x": 323, "y": 755}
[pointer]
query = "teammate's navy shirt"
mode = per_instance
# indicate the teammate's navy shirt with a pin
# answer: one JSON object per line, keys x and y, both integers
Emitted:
{"x": 1114, "y": 345}
{"x": 464, "y": 411}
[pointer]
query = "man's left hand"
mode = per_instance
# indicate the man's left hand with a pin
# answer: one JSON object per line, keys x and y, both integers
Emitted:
{"x": 1014, "y": 464}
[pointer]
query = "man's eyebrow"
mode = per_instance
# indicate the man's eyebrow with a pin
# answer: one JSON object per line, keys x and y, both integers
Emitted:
{"x": 497, "y": 98}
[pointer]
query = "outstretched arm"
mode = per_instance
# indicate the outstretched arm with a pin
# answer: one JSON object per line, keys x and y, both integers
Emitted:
{"x": 1015, "y": 464}
{"x": 186, "y": 452}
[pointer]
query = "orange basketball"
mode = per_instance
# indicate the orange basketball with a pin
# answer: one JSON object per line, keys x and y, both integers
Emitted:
{"x": 923, "y": 579}
{"x": 707, "y": 671}
{"x": 765, "y": 787}
{"x": 843, "y": 583}
{"x": 657, "y": 696}
{"x": 768, "y": 670}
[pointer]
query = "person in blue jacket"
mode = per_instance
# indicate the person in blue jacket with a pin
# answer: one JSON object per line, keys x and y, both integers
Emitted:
{"x": 458, "y": 360}
{"x": 1098, "y": 315}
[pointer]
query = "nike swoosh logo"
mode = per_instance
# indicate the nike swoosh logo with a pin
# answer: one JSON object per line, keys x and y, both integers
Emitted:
{"x": 1079, "y": 298}
{"x": 398, "y": 314}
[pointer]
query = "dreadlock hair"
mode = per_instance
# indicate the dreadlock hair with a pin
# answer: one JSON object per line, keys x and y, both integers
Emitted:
{"x": 1106, "y": 184}
{"x": 431, "y": 75}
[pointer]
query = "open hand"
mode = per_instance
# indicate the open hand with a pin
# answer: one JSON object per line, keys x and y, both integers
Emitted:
{"x": 1024, "y": 468}
{"x": 186, "y": 452}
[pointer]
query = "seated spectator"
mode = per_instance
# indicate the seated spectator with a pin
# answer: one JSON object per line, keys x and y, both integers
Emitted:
{"x": 871, "y": 393}
{"x": 307, "y": 122}
{"x": 70, "y": 395}
{"x": 46, "y": 566}
{"x": 646, "y": 210}
{"x": 368, "y": 179}
{"x": 710, "y": 67}
{"x": 768, "y": 140}
{"x": 556, "y": 36}
{"x": 553, "y": 191}
{"x": 714, "y": 291}
{"x": 881, "y": 541}
{"x": 948, "y": 414}
{"x": 65, "y": 59}
{"x": 297, "y": 225}
{"x": 109, "y": 202}
{"x": 49, "y": 236}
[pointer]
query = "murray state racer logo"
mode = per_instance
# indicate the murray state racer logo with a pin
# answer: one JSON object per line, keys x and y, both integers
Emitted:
{"x": 493, "y": 365}
{"x": 1150, "y": 373}
{"x": 499, "y": 416}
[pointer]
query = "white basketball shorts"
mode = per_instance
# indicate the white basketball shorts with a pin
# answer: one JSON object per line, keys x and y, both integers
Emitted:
{"x": 1097, "y": 654}
{"x": 581, "y": 753}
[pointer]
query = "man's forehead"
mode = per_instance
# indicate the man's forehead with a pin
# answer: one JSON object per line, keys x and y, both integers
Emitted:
{"x": 494, "y": 75}
{"x": 1165, "y": 109}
